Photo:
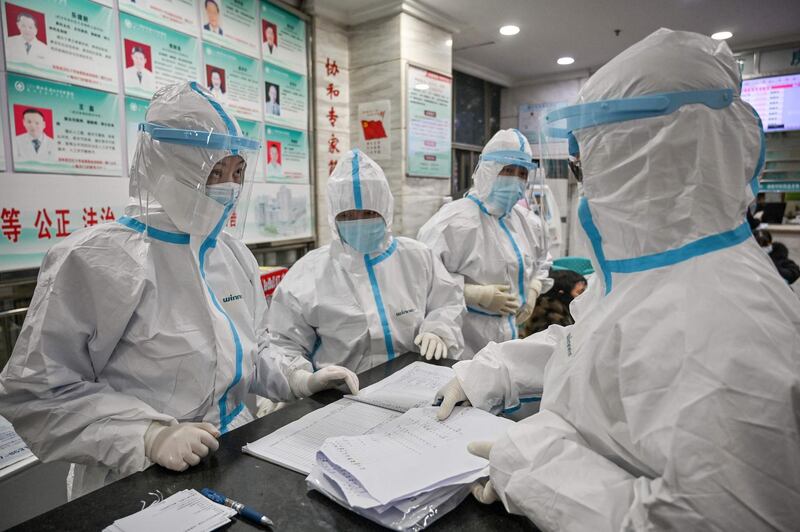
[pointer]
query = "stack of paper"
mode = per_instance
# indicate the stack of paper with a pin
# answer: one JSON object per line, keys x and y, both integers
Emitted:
{"x": 295, "y": 445}
{"x": 185, "y": 511}
{"x": 411, "y": 470}
{"x": 12, "y": 448}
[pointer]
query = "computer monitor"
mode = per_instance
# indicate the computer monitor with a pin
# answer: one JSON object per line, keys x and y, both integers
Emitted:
{"x": 776, "y": 99}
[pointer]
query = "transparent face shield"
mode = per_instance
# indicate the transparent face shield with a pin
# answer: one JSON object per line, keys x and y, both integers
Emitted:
{"x": 559, "y": 125}
{"x": 202, "y": 179}
{"x": 539, "y": 204}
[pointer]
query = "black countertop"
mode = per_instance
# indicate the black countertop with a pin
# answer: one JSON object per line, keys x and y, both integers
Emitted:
{"x": 280, "y": 493}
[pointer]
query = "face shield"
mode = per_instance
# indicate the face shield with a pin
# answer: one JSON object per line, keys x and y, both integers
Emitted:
{"x": 561, "y": 126}
{"x": 193, "y": 161}
{"x": 503, "y": 171}
{"x": 225, "y": 165}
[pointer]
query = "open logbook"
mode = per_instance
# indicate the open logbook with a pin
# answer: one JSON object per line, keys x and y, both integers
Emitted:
{"x": 295, "y": 445}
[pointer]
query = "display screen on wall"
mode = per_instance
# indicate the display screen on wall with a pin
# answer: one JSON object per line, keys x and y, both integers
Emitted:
{"x": 59, "y": 128}
{"x": 776, "y": 100}
{"x": 429, "y": 108}
{"x": 63, "y": 41}
{"x": 232, "y": 24}
{"x": 154, "y": 56}
{"x": 283, "y": 38}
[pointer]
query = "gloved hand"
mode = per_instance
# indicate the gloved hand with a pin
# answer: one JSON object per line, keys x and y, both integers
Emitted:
{"x": 431, "y": 346}
{"x": 450, "y": 394}
{"x": 179, "y": 446}
{"x": 524, "y": 313}
{"x": 304, "y": 383}
{"x": 483, "y": 492}
{"x": 492, "y": 297}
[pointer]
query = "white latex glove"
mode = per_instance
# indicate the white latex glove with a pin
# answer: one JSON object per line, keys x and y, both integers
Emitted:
{"x": 483, "y": 492}
{"x": 179, "y": 446}
{"x": 304, "y": 383}
{"x": 492, "y": 297}
{"x": 431, "y": 346}
{"x": 525, "y": 312}
{"x": 450, "y": 394}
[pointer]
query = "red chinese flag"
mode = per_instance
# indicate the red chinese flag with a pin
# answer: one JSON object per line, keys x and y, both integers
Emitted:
{"x": 373, "y": 129}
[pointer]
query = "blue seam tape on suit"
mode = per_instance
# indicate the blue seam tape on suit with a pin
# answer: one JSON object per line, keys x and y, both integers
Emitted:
{"x": 521, "y": 140}
{"x": 208, "y": 243}
{"x": 585, "y": 217}
{"x": 670, "y": 257}
{"x": 356, "y": 182}
{"x": 376, "y": 293}
{"x": 158, "y": 234}
{"x": 522, "y": 400}
{"x": 386, "y": 254}
{"x": 218, "y": 108}
{"x": 689, "y": 251}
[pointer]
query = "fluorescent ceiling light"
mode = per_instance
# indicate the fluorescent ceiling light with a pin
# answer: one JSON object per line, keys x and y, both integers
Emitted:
{"x": 565, "y": 60}
{"x": 722, "y": 35}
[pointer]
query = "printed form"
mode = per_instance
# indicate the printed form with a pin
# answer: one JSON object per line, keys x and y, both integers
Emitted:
{"x": 295, "y": 445}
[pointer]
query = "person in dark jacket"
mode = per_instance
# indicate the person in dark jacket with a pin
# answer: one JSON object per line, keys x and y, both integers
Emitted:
{"x": 779, "y": 254}
{"x": 552, "y": 307}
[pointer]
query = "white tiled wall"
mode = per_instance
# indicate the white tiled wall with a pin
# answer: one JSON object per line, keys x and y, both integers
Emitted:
{"x": 378, "y": 54}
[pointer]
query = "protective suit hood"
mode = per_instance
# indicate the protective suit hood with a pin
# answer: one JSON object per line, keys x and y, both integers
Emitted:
{"x": 358, "y": 183}
{"x": 656, "y": 184}
{"x": 172, "y": 175}
{"x": 507, "y": 146}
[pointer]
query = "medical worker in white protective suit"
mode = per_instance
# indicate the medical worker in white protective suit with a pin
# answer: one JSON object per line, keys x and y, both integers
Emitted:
{"x": 672, "y": 402}
{"x": 145, "y": 336}
{"x": 487, "y": 242}
{"x": 368, "y": 296}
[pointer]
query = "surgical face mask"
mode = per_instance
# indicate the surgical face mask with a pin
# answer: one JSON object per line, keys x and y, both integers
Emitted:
{"x": 506, "y": 192}
{"x": 224, "y": 193}
{"x": 767, "y": 249}
{"x": 365, "y": 236}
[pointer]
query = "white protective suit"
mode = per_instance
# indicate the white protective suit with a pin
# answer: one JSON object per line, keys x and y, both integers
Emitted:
{"x": 338, "y": 306}
{"x": 672, "y": 402}
{"x": 125, "y": 328}
{"x": 481, "y": 246}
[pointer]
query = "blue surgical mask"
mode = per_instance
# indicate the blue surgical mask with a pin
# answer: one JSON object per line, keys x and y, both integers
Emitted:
{"x": 506, "y": 192}
{"x": 365, "y": 236}
{"x": 224, "y": 193}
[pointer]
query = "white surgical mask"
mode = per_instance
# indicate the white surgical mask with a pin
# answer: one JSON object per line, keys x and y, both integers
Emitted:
{"x": 767, "y": 249}
{"x": 224, "y": 193}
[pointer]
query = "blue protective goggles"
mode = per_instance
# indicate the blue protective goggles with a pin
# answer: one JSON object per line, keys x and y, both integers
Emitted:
{"x": 648, "y": 106}
{"x": 203, "y": 139}
{"x": 510, "y": 157}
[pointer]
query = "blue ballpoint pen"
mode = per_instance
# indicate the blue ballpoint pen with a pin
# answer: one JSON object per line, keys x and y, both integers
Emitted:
{"x": 247, "y": 513}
